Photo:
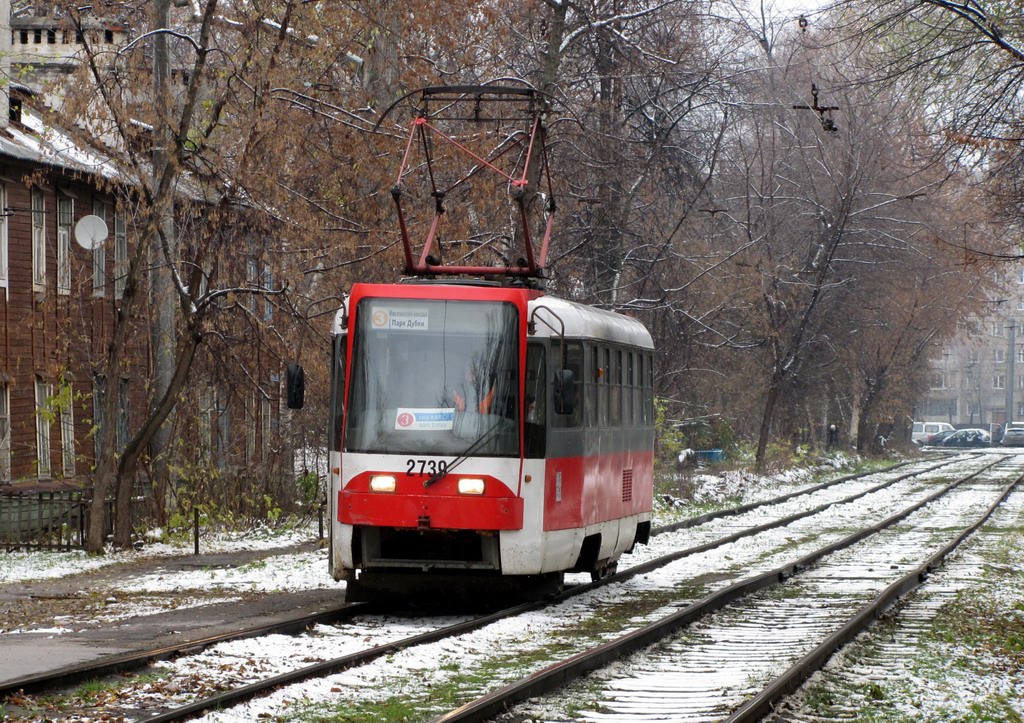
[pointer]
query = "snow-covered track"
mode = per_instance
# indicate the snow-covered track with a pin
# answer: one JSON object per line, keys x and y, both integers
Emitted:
{"x": 786, "y": 683}
{"x": 732, "y": 525}
{"x": 753, "y": 628}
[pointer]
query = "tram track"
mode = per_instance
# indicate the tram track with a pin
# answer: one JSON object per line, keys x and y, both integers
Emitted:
{"x": 904, "y": 664}
{"x": 255, "y": 688}
{"x": 744, "y": 609}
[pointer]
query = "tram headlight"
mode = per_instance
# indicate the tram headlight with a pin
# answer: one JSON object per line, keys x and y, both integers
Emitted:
{"x": 382, "y": 483}
{"x": 471, "y": 486}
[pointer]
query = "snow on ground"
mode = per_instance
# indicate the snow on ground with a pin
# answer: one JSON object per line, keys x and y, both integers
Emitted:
{"x": 23, "y": 566}
{"x": 288, "y": 572}
{"x": 308, "y": 570}
{"x": 293, "y": 570}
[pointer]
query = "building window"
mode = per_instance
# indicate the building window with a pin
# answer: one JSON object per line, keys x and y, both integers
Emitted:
{"x": 65, "y": 219}
{"x": 999, "y": 381}
{"x": 4, "y": 274}
{"x": 43, "y": 414}
{"x": 937, "y": 380}
{"x": 5, "y": 435}
{"x": 223, "y": 438}
{"x": 251, "y": 424}
{"x": 123, "y": 433}
{"x": 268, "y": 283}
{"x": 99, "y": 256}
{"x": 973, "y": 355}
{"x": 997, "y": 328}
{"x": 38, "y": 240}
{"x": 265, "y": 427}
{"x": 67, "y": 430}
{"x": 1000, "y": 356}
{"x": 99, "y": 395}
{"x": 120, "y": 254}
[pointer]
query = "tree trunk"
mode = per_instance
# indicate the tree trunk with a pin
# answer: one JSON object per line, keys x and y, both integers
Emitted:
{"x": 162, "y": 293}
{"x": 127, "y": 469}
{"x": 772, "y": 397}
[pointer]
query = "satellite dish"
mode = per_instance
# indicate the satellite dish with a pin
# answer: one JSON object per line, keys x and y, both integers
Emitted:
{"x": 90, "y": 232}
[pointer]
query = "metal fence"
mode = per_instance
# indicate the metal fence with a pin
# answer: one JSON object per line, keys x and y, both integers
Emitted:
{"x": 43, "y": 520}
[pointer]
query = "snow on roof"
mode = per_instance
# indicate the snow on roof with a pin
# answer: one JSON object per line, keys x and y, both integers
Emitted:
{"x": 36, "y": 141}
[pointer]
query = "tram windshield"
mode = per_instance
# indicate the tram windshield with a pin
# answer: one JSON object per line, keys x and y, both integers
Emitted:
{"x": 432, "y": 376}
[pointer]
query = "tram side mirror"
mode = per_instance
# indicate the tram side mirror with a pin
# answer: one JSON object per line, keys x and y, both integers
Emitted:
{"x": 296, "y": 383}
{"x": 565, "y": 392}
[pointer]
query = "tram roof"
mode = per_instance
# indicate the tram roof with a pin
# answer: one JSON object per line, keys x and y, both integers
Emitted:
{"x": 587, "y": 322}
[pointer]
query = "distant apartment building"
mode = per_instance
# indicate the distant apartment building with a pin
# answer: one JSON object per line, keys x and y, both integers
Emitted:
{"x": 47, "y": 46}
{"x": 977, "y": 377}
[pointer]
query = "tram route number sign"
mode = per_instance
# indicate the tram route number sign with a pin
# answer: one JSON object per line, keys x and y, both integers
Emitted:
{"x": 418, "y": 420}
{"x": 400, "y": 319}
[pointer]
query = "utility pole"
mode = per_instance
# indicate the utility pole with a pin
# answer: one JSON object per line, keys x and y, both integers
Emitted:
{"x": 1011, "y": 358}
{"x": 5, "y": 61}
{"x": 162, "y": 285}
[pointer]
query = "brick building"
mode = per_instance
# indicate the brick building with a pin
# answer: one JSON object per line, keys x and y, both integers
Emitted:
{"x": 56, "y": 297}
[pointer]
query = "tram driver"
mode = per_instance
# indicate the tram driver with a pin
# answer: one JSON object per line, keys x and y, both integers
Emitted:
{"x": 473, "y": 393}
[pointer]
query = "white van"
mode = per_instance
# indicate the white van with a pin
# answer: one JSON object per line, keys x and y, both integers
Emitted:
{"x": 923, "y": 430}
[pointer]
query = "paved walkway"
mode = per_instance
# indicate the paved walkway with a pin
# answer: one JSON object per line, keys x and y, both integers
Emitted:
{"x": 33, "y": 611}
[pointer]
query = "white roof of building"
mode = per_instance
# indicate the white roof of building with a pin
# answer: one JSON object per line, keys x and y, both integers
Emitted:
{"x": 36, "y": 141}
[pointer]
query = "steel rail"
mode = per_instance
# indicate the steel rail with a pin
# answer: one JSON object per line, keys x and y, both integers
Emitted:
{"x": 763, "y": 703}
{"x": 780, "y": 522}
{"x": 561, "y": 673}
{"x": 748, "y": 506}
{"x": 329, "y": 667}
{"x": 121, "y": 663}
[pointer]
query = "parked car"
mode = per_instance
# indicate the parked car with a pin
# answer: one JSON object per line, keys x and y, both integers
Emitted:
{"x": 934, "y": 439}
{"x": 923, "y": 430}
{"x": 1013, "y": 436}
{"x": 967, "y": 438}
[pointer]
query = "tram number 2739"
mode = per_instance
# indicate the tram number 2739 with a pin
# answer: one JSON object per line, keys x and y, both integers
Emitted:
{"x": 425, "y": 466}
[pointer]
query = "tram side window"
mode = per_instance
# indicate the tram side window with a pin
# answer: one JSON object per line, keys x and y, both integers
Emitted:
{"x": 574, "y": 363}
{"x": 337, "y": 405}
{"x": 536, "y": 401}
{"x": 638, "y": 390}
{"x": 615, "y": 388}
{"x": 603, "y": 379}
{"x": 590, "y": 412}
{"x": 648, "y": 385}
{"x": 628, "y": 390}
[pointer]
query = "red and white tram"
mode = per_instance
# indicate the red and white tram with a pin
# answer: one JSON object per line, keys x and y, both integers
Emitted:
{"x": 480, "y": 431}
{"x": 485, "y": 432}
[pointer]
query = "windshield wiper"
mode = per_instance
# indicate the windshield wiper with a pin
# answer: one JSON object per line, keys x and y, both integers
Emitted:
{"x": 440, "y": 474}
